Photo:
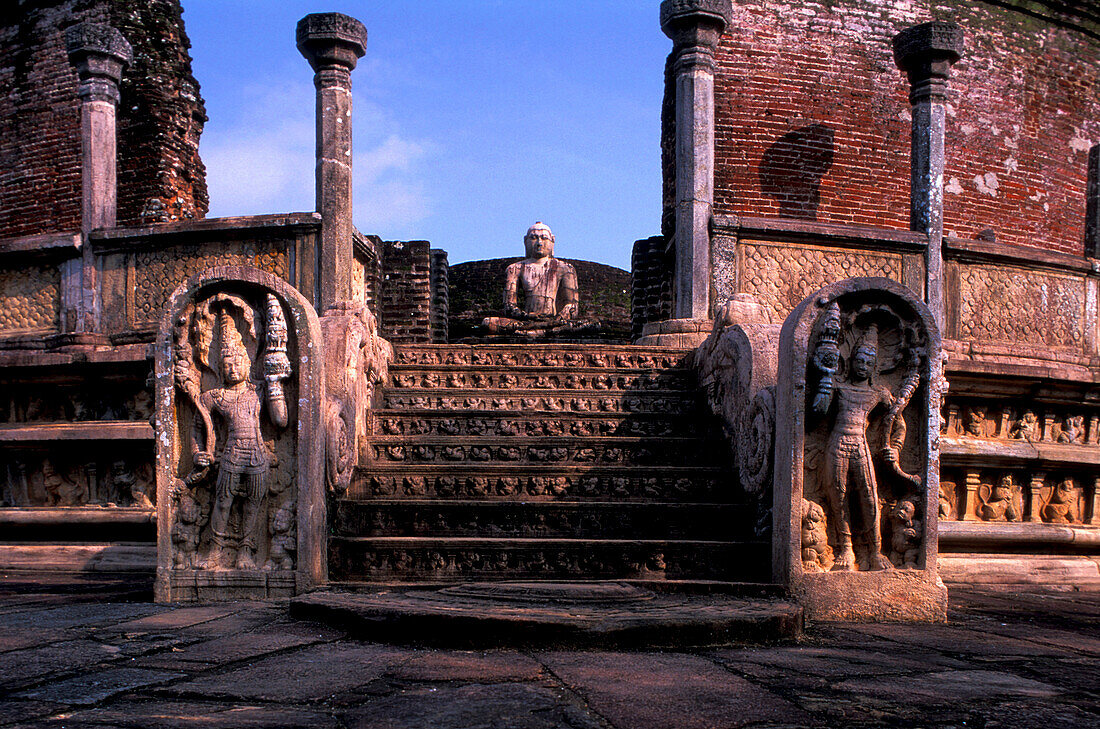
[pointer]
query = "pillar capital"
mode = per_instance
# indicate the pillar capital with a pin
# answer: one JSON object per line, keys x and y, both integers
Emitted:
{"x": 926, "y": 52}
{"x": 331, "y": 41}
{"x": 695, "y": 24}
{"x": 99, "y": 53}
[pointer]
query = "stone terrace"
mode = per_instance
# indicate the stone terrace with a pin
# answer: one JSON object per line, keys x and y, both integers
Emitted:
{"x": 100, "y": 655}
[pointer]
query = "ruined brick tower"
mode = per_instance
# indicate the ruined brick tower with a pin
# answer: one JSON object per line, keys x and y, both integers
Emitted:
{"x": 161, "y": 177}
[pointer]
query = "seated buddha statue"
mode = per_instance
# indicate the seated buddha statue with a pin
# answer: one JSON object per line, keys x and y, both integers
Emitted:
{"x": 540, "y": 293}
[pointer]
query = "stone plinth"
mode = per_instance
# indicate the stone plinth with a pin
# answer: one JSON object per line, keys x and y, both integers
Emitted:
{"x": 856, "y": 485}
{"x": 687, "y": 333}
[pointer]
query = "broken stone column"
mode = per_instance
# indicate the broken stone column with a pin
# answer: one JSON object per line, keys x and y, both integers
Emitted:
{"x": 99, "y": 54}
{"x": 926, "y": 52}
{"x": 856, "y": 476}
{"x": 695, "y": 27}
{"x": 333, "y": 43}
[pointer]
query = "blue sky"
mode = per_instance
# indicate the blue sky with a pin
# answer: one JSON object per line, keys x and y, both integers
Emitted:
{"x": 473, "y": 119}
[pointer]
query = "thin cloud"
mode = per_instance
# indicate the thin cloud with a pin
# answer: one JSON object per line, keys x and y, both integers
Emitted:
{"x": 262, "y": 161}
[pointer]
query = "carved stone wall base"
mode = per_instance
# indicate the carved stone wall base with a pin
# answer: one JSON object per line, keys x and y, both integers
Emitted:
{"x": 192, "y": 585}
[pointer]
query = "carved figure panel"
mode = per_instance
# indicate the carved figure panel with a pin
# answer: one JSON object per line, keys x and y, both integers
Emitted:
{"x": 856, "y": 484}
{"x": 240, "y": 441}
{"x": 29, "y": 299}
{"x": 77, "y": 478}
{"x": 1006, "y": 304}
{"x": 230, "y": 366}
{"x": 865, "y": 368}
{"x": 781, "y": 275}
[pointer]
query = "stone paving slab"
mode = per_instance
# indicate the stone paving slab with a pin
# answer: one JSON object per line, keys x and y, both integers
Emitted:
{"x": 91, "y": 688}
{"x": 997, "y": 665}
{"x": 510, "y": 706}
{"x": 676, "y": 691}
{"x": 312, "y": 673}
{"x": 159, "y": 714}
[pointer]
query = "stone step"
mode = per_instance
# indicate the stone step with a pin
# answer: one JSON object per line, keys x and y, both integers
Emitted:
{"x": 567, "y": 452}
{"x": 511, "y": 378}
{"x": 578, "y": 520}
{"x": 583, "y": 425}
{"x": 450, "y": 559}
{"x": 584, "y": 615}
{"x": 487, "y": 401}
{"x": 497, "y": 482}
{"x": 534, "y": 355}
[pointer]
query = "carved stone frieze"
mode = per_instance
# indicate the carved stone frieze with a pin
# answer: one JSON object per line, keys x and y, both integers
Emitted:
{"x": 591, "y": 486}
{"x": 673, "y": 403}
{"x": 30, "y": 479}
{"x": 1002, "y": 495}
{"x": 411, "y": 355}
{"x": 158, "y": 271}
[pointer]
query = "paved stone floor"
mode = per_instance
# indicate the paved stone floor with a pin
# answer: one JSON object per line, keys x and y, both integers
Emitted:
{"x": 104, "y": 656}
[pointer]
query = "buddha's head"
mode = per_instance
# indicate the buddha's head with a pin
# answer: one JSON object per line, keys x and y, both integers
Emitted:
{"x": 539, "y": 241}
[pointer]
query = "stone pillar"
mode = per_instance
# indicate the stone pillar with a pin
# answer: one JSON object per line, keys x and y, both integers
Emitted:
{"x": 695, "y": 27}
{"x": 926, "y": 52}
{"x": 1035, "y": 496}
{"x": 1094, "y": 512}
{"x": 969, "y": 512}
{"x": 333, "y": 43}
{"x": 1092, "y": 204}
{"x": 99, "y": 54}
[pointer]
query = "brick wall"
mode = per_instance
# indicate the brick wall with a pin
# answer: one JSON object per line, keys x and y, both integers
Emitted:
{"x": 405, "y": 305}
{"x": 161, "y": 114}
{"x": 812, "y": 116}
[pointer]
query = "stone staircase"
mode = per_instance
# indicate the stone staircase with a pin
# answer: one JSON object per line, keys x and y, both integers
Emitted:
{"x": 543, "y": 463}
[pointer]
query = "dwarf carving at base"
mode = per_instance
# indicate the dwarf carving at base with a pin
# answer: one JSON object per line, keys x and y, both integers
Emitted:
{"x": 815, "y": 543}
{"x": 1001, "y": 504}
{"x": 549, "y": 290}
{"x": 905, "y": 534}
{"x": 1062, "y": 507}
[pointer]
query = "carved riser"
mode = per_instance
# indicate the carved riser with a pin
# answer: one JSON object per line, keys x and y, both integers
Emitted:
{"x": 672, "y": 403}
{"x": 562, "y": 355}
{"x": 447, "y": 560}
{"x": 539, "y": 382}
{"x": 565, "y": 452}
{"x": 392, "y": 422}
{"x": 545, "y": 484}
{"x": 540, "y": 520}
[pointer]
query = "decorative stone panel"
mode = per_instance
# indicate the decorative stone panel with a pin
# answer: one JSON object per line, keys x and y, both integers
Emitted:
{"x": 29, "y": 299}
{"x": 1007, "y": 304}
{"x": 158, "y": 272}
{"x": 780, "y": 275}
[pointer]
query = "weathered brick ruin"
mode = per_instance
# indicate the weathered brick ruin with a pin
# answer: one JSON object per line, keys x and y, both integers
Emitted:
{"x": 282, "y": 399}
{"x": 161, "y": 177}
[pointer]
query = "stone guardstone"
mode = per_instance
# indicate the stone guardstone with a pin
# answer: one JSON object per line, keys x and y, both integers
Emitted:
{"x": 240, "y": 447}
{"x": 856, "y": 478}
